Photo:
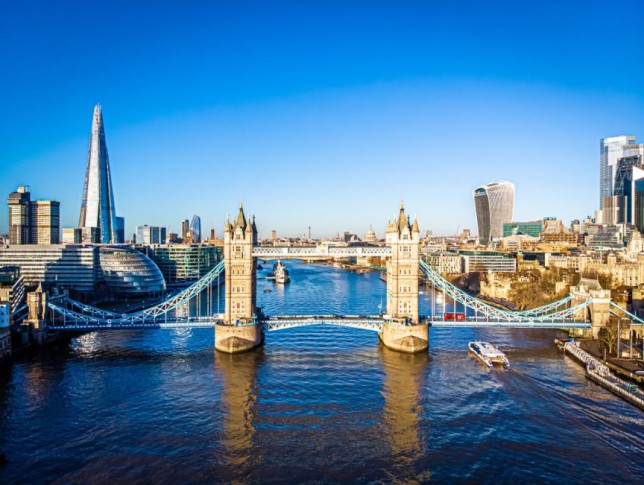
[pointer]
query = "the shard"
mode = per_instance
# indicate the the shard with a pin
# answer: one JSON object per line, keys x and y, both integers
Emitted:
{"x": 97, "y": 208}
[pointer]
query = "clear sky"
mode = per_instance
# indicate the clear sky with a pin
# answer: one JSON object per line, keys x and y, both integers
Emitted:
{"x": 321, "y": 114}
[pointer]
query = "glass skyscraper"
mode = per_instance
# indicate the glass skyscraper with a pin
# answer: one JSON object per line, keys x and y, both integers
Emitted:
{"x": 494, "y": 204}
{"x": 611, "y": 150}
{"x": 195, "y": 228}
{"x": 97, "y": 207}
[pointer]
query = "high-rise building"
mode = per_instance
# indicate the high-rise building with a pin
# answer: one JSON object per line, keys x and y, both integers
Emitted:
{"x": 19, "y": 216}
{"x": 150, "y": 235}
{"x": 185, "y": 229}
{"x": 611, "y": 150}
{"x": 45, "y": 222}
{"x": 494, "y": 204}
{"x": 97, "y": 207}
{"x": 32, "y": 222}
{"x": 195, "y": 229}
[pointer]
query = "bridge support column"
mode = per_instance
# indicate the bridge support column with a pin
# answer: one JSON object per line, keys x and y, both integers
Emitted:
{"x": 402, "y": 330}
{"x": 405, "y": 338}
{"x": 233, "y": 339}
{"x": 240, "y": 330}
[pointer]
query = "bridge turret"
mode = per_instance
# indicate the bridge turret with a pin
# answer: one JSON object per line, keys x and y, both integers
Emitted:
{"x": 404, "y": 332}
{"x": 240, "y": 330}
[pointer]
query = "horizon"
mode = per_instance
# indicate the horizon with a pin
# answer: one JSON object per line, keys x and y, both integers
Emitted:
{"x": 317, "y": 116}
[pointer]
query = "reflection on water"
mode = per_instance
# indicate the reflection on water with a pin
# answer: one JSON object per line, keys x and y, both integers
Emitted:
{"x": 404, "y": 399}
{"x": 239, "y": 398}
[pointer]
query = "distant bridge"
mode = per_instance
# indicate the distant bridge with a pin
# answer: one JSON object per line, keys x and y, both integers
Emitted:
{"x": 320, "y": 252}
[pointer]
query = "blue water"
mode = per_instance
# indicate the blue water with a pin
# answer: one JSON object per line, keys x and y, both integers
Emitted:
{"x": 315, "y": 404}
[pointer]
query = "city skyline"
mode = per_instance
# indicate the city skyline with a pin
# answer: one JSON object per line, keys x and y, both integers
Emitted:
{"x": 414, "y": 104}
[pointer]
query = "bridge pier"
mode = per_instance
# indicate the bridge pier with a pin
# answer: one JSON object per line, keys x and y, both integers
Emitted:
{"x": 233, "y": 339}
{"x": 405, "y": 338}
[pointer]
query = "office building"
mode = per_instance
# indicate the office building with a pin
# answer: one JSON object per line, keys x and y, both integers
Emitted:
{"x": 12, "y": 287}
{"x": 5, "y": 331}
{"x": 97, "y": 206}
{"x": 531, "y": 228}
{"x": 494, "y": 204}
{"x": 611, "y": 150}
{"x": 184, "y": 262}
{"x": 484, "y": 261}
{"x": 32, "y": 222}
{"x": 72, "y": 235}
{"x": 66, "y": 266}
{"x": 45, "y": 222}
{"x": 81, "y": 268}
{"x": 128, "y": 272}
{"x": 150, "y": 235}
{"x": 185, "y": 229}
{"x": 195, "y": 229}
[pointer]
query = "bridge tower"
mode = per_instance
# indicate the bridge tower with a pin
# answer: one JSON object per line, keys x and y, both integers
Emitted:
{"x": 403, "y": 330}
{"x": 240, "y": 329}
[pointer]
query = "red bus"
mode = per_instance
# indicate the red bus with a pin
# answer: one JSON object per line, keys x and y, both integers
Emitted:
{"x": 455, "y": 317}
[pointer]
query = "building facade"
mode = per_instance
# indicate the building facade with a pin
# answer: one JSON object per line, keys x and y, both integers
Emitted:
{"x": 97, "y": 207}
{"x": 195, "y": 229}
{"x": 611, "y": 150}
{"x": 184, "y": 262}
{"x": 531, "y": 228}
{"x": 82, "y": 268}
{"x": 149, "y": 235}
{"x": 32, "y": 222}
{"x": 494, "y": 204}
{"x": 487, "y": 261}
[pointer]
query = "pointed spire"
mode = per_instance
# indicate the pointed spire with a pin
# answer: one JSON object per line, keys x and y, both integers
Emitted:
{"x": 241, "y": 218}
{"x": 402, "y": 219}
{"x": 414, "y": 228}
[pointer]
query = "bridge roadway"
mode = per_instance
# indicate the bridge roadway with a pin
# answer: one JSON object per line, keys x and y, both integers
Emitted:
{"x": 320, "y": 252}
{"x": 274, "y": 323}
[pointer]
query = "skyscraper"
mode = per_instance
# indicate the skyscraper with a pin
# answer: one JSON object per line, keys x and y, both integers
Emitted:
{"x": 32, "y": 222}
{"x": 611, "y": 150}
{"x": 195, "y": 228}
{"x": 494, "y": 204}
{"x": 97, "y": 207}
{"x": 185, "y": 228}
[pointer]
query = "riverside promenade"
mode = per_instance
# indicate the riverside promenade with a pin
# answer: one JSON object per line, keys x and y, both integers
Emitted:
{"x": 601, "y": 374}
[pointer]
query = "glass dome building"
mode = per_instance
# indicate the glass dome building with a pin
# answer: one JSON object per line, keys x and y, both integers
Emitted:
{"x": 128, "y": 272}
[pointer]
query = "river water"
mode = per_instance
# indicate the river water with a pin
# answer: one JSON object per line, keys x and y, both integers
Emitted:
{"x": 315, "y": 404}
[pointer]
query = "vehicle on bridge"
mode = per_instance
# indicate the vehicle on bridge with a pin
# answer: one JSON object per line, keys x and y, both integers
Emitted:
{"x": 454, "y": 317}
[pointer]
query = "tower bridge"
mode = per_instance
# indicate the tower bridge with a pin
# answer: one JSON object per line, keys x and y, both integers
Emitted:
{"x": 242, "y": 325}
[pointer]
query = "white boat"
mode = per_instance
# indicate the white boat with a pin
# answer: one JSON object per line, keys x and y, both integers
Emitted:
{"x": 281, "y": 273}
{"x": 488, "y": 353}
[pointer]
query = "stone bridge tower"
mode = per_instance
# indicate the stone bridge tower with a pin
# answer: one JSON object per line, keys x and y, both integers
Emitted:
{"x": 404, "y": 332}
{"x": 240, "y": 330}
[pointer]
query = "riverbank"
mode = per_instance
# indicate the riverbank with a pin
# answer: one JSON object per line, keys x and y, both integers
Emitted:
{"x": 601, "y": 374}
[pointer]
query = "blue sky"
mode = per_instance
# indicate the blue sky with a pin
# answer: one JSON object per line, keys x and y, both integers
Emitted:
{"x": 321, "y": 114}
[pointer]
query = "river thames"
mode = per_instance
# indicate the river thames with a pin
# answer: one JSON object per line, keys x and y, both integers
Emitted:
{"x": 315, "y": 404}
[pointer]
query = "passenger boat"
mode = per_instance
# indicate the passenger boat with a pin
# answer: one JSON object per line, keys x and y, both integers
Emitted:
{"x": 281, "y": 273}
{"x": 488, "y": 353}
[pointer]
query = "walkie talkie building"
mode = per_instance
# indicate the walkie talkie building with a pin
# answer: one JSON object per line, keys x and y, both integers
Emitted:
{"x": 97, "y": 207}
{"x": 494, "y": 205}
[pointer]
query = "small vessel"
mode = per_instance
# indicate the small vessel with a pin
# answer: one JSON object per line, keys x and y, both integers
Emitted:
{"x": 281, "y": 273}
{"x": 488, "y": 353}
{"x": 259, "y": 266}
{"x": 267, "y": 290}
